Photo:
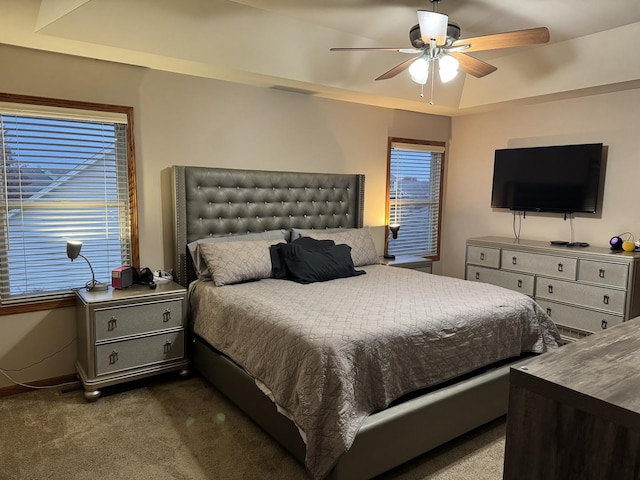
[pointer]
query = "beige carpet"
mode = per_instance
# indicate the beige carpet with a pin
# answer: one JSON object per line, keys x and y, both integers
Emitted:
{"x": 172, "y": 428}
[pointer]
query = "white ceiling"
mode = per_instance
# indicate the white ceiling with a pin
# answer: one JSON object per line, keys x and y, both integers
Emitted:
{"x": 285, "y": 44}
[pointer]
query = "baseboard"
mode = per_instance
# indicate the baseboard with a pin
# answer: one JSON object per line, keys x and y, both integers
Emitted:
{"x": 16, "y": 389}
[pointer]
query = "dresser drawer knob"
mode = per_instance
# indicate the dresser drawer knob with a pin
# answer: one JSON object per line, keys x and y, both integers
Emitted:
{"x": 560, "y": 267}
{"x": 519, "y": 283}
{"x": 514, "y": 261}
{"x": 601, "y": 273}
{"x": 481, "y": 255}
{"x": 167, "y": 347}
{"x": 550, "y": 288}
{"x": 549, "y": 311}
{"x": 605, "y": 299}
{"x": 166, "y": 315}
{"x": 477, "y": 275}
{"x": 113, "y": 357}
{"x": 604, "y": 324}
{"x": 112, "y": 324}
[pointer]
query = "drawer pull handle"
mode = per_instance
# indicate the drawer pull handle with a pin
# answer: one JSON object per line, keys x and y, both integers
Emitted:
{"x": 167, "y": 347}
{"x": 549, "y": 311}
{"x": 519, "y": 283}
{"x": 113, "y": 357}
{"x": 604, "y": 324}
{"x": 166, "y": 315}
{"x": 560, "y": 267}
{"x": 550, "y": 288}
{"x": 481, "y": 255}
{"x": 112, "y": 324}
{"x": 605, "y": 299}
{"x": 477, "y": 275}
{"x": 514, "y": 261}
{"x": 601, "y": 273}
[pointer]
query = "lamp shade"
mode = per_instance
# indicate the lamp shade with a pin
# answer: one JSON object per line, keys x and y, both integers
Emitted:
{"x": 433, "y": 26}
{"x": 419, "y": 70}
{"x": 448, "y": 68}
{"x": 73, "y": 249}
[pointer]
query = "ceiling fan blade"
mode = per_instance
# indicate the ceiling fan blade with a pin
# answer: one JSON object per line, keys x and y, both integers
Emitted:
{"x": 390, "y": 49}
{"x": 396, "y": 70}
{"x": 472, "y": 65}
{"x": 519, "y": 38}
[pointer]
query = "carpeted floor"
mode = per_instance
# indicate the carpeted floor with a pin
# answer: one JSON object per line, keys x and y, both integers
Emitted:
{"x": 173, "y": 428}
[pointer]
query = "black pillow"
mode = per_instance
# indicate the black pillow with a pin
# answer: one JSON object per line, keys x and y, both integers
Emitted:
{"x": 307, "y": 260}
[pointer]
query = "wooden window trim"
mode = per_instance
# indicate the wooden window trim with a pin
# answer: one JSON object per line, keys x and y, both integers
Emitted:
{"x": 34, "y": 306}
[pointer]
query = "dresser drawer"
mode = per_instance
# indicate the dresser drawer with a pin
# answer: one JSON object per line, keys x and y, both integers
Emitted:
{"x": 139, "y": 352}
{"x": 580, "y": 318}
{"x": 602, "y": 298}
{"x": 120, "y": 321}
{"x": 519, "y": 282}
{"x": 605, "y": 273}
{"x": 550, "y": 265}
{"x": 487, "y": 256}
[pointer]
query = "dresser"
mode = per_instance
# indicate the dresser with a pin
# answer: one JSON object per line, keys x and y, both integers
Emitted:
{"x": 583, "y": 289}
{"x": 574, "y": 413}
{"x": 129, "y": 334}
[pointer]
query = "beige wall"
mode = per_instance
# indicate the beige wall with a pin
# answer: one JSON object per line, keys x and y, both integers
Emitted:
{"x": 194, "y": 121}
{"x": 610, "y": 118}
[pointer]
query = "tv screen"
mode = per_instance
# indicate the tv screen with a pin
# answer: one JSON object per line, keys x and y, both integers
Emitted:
{"x": 563, "y": 179}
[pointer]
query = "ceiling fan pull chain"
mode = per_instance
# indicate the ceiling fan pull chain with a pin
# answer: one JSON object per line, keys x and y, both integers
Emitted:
{"x": 432, "y": 81}
{"x": 422, "y": 90}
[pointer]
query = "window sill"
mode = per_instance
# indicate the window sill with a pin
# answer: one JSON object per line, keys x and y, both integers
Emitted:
{"x": 35, "y": 306}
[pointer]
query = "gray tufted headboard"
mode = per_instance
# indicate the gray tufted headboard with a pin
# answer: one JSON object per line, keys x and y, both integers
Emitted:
{"x": 221, "y": 201}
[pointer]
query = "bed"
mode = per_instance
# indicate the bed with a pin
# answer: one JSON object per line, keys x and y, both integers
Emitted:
{"x": 346, "y": 374}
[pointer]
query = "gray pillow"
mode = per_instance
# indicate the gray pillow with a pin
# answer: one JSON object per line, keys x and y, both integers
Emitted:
{"x": 363, "y": 249}
{"x": 200, "y": 265}
{"x": 235, "y": 262}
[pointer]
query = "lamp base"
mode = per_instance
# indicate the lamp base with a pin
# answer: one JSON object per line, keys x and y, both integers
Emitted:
{"x": 94, "y": 286}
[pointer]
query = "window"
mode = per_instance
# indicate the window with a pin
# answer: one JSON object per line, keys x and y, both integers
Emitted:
{"x": 68, "y": 173}
{"x": 414, "y": 197}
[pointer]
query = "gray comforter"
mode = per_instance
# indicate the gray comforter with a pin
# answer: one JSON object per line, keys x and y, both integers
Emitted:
{"x": 331, "y": 353}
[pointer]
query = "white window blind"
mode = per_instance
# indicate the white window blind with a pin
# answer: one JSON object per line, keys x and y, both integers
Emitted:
{"x": 63, "y": 178}
{"x": 414, "y": 198}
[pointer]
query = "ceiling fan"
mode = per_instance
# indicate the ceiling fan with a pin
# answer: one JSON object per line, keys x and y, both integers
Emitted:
{"x": 435, "y": 38}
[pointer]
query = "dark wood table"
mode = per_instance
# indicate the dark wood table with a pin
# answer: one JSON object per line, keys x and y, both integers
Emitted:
{"x": 574, "y": 414}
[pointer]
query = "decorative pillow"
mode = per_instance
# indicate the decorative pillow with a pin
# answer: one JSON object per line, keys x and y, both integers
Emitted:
{"x": 306, "y": 262}
{"x": 363, "y": 250}
{"x": 200, "y": 265}
{"x": 234, "y": 262}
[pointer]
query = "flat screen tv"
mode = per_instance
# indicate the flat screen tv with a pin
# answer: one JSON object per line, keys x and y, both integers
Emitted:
{"x": 562, "y": 179}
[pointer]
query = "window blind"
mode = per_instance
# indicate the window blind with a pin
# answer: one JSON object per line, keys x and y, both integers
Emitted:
{"x": 414, "y": 198}
{"x": 62, "y": 179}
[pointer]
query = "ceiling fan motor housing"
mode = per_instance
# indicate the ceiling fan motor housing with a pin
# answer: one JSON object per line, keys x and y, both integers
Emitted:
{"x": 453, "y": 34}
{"x": 415, "y": 37}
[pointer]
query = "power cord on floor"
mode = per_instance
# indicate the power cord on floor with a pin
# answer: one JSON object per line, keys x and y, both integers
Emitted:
{"x": 36, "y": 387}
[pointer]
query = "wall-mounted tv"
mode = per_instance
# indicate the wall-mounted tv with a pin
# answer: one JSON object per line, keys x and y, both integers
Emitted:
{"x": 562, "y": 179}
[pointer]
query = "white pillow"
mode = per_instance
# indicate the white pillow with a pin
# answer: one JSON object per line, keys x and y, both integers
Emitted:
{"x": 363, "y": 249}
{"x": 200, "y": 265}
{"x": 234, "y": 262}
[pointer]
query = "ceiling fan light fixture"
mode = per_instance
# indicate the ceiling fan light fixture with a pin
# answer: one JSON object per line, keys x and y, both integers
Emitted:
{"x": 447, "y": 68}
{"x": 433, "y": 26}
{"x": 419, "y": 70}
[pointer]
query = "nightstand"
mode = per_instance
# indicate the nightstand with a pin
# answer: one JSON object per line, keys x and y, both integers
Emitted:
{"x": 129, "y": 334}
{"x": 407, "y": 261}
